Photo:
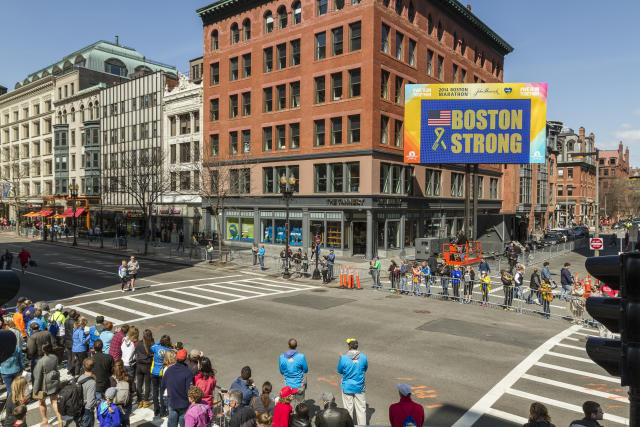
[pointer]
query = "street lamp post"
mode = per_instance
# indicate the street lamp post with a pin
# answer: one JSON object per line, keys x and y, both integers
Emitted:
{"x": 73, "y": 189}
{"x": 316, "y": 273}
{"x": 287, "y": 188}
{"x": 594, "y": 154}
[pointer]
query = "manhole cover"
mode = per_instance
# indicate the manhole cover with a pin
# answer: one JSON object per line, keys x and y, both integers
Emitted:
{"x": 422, "y": 311}
{"x": 320, "y": 290}
{"x": 393, "y": 296}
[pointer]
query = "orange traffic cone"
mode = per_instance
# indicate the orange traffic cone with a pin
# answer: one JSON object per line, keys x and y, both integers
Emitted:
{"x": 358, "y": 279}
{"x": 341, "y": 277}
{"x": 350, "y": 277}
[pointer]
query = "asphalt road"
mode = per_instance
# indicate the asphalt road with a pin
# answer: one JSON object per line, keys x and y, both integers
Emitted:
{"x": 454, "y": 355}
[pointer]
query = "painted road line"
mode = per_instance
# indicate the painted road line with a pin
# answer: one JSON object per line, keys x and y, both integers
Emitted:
{"x": 158, "y": 294}
{"x": 566, "y": 356}
{"x": 253, "y": 282}
{"x": 62, "y": 281}
{"x": 586, "y": 335}
{"x": 149, "y": 303}
{"x": 575, "y": 347}
{"x": 228, "y": 287}
{"x": 121, "y": 308}
{"x": 578, "y": 372}
{"x": 101, "y": 271}
{"x": 572, "y": 339}
{"x": 560, "y": 404}
{"x": 488, "y": 400}
{"x": 298, "y": 286}
{"x": 218, "y": 292}
{"x": 507, "y": 416}
{"x": 572, "y": 387}
{"x": 93, "y": 314}
{"x": 196, "y": 295}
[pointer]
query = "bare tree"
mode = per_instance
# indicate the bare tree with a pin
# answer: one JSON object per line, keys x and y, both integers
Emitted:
{"x": 145, "y": 180}
{"x": 11, "y": 186}
{"x": 620, "y": 198}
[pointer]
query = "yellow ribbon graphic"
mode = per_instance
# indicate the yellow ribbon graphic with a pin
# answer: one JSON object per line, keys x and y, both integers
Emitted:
{"x": 439, "y": 133}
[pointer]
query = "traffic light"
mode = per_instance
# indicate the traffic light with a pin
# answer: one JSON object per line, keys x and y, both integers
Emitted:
{"x": 9, "y": 287}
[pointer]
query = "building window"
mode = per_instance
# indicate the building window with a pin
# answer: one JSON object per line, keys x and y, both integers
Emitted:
{"x": 384, "y": 84}
{"x": 385, "y": 38}
{"x": 560, "y": 190}
{"x": 267, "y": 96}
{"x": 353, "y": 177}
{"x": 399, "y": 99}
{"x": 411, "y": 14}
{"x": 463, "y": 75}
{"x": 440, "y": 67}
{"x": 233, "y": 106}
{"x": 233, "y": 142}
{"x": 354, "y": 83}
{"x": 480, "y": 184}
{"x": 320, "y": 172}
{"x": 246, "y": 141}
{"x": 399, "y": 7}
{"x": 337, "y": 41}
{"x": 214, "y": 112}
{"x": 455, "y": 73}
{"x": 281, "y": 50}
{"x": 267, "y": 139}
{"x": 321, "y": 45}
{"x": 297, "y": 12}
{"x": 560, "y": 172}
{"x": 185, "y": 152}
{"x": 185, "y": 124}
{"x": 397, "y": 133}
{"x": 354, "y": 128}
{"x": 384, "y": 129}
{"x": 281, "y": 137}
{"x": 440, "y": 31}
{"x": 412, "y": 52}
{"x": 569, "y": 190}
{"x": 321, "y": 7}
{"x": 336, "y": 130}
{"x": 294, "y": 135}
{"x": 267, "y": 54}
{"x": 294, "y": 95}
{"x": 318, "y": 133}
{"x": 282, "y": 17}
{"x": 336, "y": 178}
{"x": 569, "y": 173}
{"x": 525, "y": 190}
{"x": 233, "y": 69}
{"x": 235, "y": 33}
{"x": 319, "y": 90}
{"x": 214, "y": 40}
{"x": 399, "y": 43}
{"x": 457, "y": 184}
{"x": 336, "y": 86}
{"x": 240, "y": 181}
{"x": 355, "y": 36}
{"x": 215, "y": 74}
{"x": 246, "y": 29}
{"x": 295, "y": 52}
{"x": 246, "y": 65}
{"x": 433, "y": 185}
{"x": 429, "y": 62}
{"x": 281, "y": 97}
{"x": 246, "y": 104}
{"x": 268, "y": 22}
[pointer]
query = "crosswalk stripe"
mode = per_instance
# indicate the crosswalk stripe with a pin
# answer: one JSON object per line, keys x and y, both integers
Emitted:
{"x": 566, "y": 356}
{"x": 572, "y": 339}
{"x": 149, "y": 303}
{"x": 160, "y": 295}
{"x": 572, "y": 387}
{"x": 560, "y": 404}
{"x": 197, "y": 295}
{"x": 218, "y": 292}
{"x": 578, "y": 372}
{"x": 253, "y": 281}
{"x": 229, "y": 287}
{"x": 301, "y": 286}
{"x": 575, "y": 347}
{"x": 507, "y": 416}
{"x": 121, "y": 308}
{"x": 94, "y": 314}
{"x": 585, "y": 335}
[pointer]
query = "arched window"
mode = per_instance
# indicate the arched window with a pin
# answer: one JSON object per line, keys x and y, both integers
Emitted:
{"x": 476, "y": 54}
{"x": 429, "y": 25}
{"x": 246, "y": 29}
{"x": 412, "y": 12}
{"x": 64, "y": 116}
{"x": 80, "y": 61}
{"x": 214, "y": 40}
{"x": 67, "y": 66}
{"x": 235, "y": 33}
{"x": 268, "y": 22}
{"x": 399, "y": 7}
{"x": 463, "y": 46}
{"x": 59, "y": 117}
{"x": 440, "y": 31}
{"x": 455, "y": 41}
{"x": 297, "y": 12}
{"x": 97, "y": 114}
{"x": 338, "y": 4}
{"x": 282, "y": 17}
{"x": 73, "y": 114}
{"x": 82, "y": 112}
{"x": 115, "y": 66}
{"x": 482, "y": 58}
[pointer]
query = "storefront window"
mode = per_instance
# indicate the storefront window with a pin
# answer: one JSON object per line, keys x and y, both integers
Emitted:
{"x": 410, "y": 232}
{"x": 380, "y": 233}
{"x": 317, "y": 227}
{"x": 393, "y": 234}
{"x": 334, "y": 235}
{"x": 233, "y": 229}
{"x": 266, "y": 230}
{"x": 246, "y": 229}
{"x": 295, "y": 235}
{"x": 347, "y": 233}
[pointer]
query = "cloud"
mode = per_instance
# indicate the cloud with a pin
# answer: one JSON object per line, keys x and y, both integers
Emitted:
{"x": 629, "y": 135}
{"x": 625, "y": 126}
{"x": 637, "y": 112}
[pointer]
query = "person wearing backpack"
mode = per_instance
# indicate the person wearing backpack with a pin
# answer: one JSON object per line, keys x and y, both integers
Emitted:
{"x": 79, "y": 399}
{"x": 46, "y": 383}
{"x": 123, "y": 381}
{"x": 406, "y": 412}
{"x": 102, "y": 369}
{"x": 56, "y": 325}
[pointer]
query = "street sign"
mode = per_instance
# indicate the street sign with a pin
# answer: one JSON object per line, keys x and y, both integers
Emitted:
{"x": 596, "y": 243}
{"x": 318, "y": 239}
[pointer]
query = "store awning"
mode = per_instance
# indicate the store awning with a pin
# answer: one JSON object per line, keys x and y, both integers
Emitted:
{"x": 68, "y": 213}
{"x": 58, "y": 216}
{"x": 45, "y": 212}
{"x": 30, "y": 214}
{"x": 79, "y": 212}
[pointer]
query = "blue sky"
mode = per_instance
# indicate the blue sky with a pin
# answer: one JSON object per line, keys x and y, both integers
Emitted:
{"x": 586, "y": 51}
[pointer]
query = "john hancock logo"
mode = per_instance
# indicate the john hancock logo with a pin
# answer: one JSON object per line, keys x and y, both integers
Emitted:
{"x": 507, "y": 90}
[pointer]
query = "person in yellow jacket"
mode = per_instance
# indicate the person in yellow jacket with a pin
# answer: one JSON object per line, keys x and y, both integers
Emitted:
{"x": 547, "y": 297}
{"x": 485, "y": 287}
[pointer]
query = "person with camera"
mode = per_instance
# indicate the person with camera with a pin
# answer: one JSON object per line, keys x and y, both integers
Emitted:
{"x": 245, "y": 384}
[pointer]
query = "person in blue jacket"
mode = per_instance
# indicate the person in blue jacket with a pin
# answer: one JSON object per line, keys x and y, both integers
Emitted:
{"x": 80, "y": 344}
{"x": 95, "y": 331}
{"x": 37, "y": 318}
{"x": 158, "y": 349}
{"x": 245, "y": 384}
{"x": 353, "y": 367}
{"x": 456, "y": 275}
{"x": 293, "y": 366}
{"x": 11, "y": 368}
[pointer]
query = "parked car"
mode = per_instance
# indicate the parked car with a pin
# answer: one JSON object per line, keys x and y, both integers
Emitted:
{"x": 552, "y": 238}
{"x": 581, "y": 231}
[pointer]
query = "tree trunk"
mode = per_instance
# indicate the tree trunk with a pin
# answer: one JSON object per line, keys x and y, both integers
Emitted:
{"x": 146, "y": 232}
{"x": 219, "y": 227}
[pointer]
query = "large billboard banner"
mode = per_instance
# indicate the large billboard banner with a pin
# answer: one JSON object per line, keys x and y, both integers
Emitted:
{"x": 475, "y": 123}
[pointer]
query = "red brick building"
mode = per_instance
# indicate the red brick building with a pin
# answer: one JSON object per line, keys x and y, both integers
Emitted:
{"x": 614, "y": 171}
{"x": 314, "y": 89}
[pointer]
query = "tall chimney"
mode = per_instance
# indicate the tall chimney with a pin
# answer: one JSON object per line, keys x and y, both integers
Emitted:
{"x": 468, "y": 7}
{"x": 117, "y": 44}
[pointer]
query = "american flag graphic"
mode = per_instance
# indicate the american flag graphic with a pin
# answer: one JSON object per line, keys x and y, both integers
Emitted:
{"x": 439, "y": 118}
